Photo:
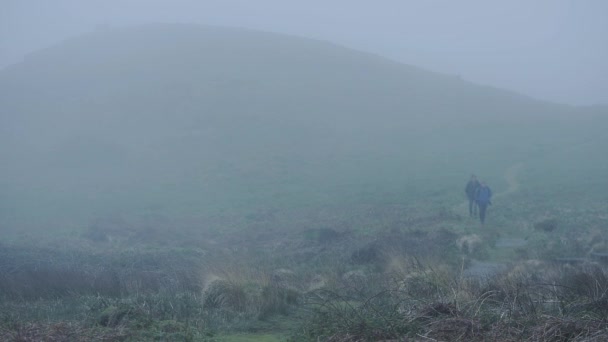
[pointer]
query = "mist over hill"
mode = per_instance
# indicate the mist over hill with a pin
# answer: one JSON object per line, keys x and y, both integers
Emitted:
{"x": 191, "y": 119}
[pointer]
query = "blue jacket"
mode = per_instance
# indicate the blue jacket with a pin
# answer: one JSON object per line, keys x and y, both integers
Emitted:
{"x": 483, "y": 195}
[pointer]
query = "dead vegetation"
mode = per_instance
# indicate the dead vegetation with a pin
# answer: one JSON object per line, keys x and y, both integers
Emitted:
{"x": 59, "y": 332}
{"x": 332, "y": 284}
{"x": 525, "y": 303}
{"x": 556, "y": 329}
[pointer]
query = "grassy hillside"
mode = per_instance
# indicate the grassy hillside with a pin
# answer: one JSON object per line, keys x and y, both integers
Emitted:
{"x": 187, "y": 183}
{"x": 196, "y": 119}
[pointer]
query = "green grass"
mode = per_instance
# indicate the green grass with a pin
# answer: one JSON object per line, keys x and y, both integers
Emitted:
{"x": 150, "y": 285}
{"x": 326, "y": 209}
{"x": 249, "y": 338}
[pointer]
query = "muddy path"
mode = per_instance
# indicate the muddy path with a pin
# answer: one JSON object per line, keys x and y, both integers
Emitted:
{"x": 511, "y": 177}
{"x": 486, "y": 269}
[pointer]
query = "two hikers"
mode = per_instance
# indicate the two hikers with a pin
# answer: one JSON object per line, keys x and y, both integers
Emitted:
{"x": 480, "y": 196}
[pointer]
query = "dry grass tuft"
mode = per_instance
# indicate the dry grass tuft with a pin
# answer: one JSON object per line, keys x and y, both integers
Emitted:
{"x": 438, "y": 310}
{"x": 59, "y": 332}
{"x": 455, "y": 329}
{"x": 556, "y": 329}
{"x": 223, "y": 294}
{"x": 469, "y": 244}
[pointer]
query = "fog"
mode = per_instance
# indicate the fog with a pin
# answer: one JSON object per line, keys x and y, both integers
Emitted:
{"x": 267, "y": 171}
{"x": 552, "y": 50}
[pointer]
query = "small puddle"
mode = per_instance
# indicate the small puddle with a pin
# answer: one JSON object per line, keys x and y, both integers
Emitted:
{"x": 487, "y": 269}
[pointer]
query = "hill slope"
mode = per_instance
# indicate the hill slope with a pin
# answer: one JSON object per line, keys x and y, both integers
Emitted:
{"x": 194, "y": 119}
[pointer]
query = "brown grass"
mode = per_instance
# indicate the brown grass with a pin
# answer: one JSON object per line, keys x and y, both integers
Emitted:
{"x": 59, "y": 332}
{"x": 555, "y": 329}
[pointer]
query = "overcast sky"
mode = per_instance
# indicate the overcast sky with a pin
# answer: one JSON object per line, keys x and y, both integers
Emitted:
{"x": 555, "y": 50}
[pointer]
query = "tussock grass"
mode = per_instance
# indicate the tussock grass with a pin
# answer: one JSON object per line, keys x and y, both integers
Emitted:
{"x": 555, "y": 329}
{"x": 61, "y": 331}
{"x": 558, "y": 304}
{"x": 323, "y": 284}
{"x": 33, "y": 272}
{"x": 223, "y": 294}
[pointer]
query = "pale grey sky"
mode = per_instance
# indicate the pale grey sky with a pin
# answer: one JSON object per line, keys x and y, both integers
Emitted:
{"x": 555, "y": 50}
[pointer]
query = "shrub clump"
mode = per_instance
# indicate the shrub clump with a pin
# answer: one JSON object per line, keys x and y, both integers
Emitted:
{"x": 277, "y": 300}
{"x": 222, "y": 294}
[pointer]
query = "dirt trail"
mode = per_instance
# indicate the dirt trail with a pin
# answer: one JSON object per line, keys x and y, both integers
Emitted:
{"x": 511, "y": 177}
{"x": 483, "y": 269}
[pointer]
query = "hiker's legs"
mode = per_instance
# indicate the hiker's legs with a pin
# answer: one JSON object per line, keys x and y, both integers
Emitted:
{"x": 482, "y": 212}
{"x": 472, "y": 208}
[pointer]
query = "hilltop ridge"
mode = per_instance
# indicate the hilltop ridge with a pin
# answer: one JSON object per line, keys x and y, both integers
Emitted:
{"x": 164, "y": 113}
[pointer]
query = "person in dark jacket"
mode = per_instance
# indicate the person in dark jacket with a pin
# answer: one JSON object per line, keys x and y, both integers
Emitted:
{"x": 471, "y": 190}
{"x": 483, "y": 197}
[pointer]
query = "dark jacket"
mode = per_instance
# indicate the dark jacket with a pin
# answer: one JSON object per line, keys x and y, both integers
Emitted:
{"x": 471, "y": 189}
{"x": 483, "y": 195}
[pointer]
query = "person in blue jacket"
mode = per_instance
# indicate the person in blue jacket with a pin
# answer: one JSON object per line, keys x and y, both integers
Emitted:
{"x": 483, "y": 197}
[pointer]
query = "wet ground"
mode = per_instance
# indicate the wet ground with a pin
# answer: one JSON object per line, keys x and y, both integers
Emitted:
{"x": 487, "y": 269}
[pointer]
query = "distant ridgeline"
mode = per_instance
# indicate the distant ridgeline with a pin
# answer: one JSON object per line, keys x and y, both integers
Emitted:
{"x": 190, "y": 119}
